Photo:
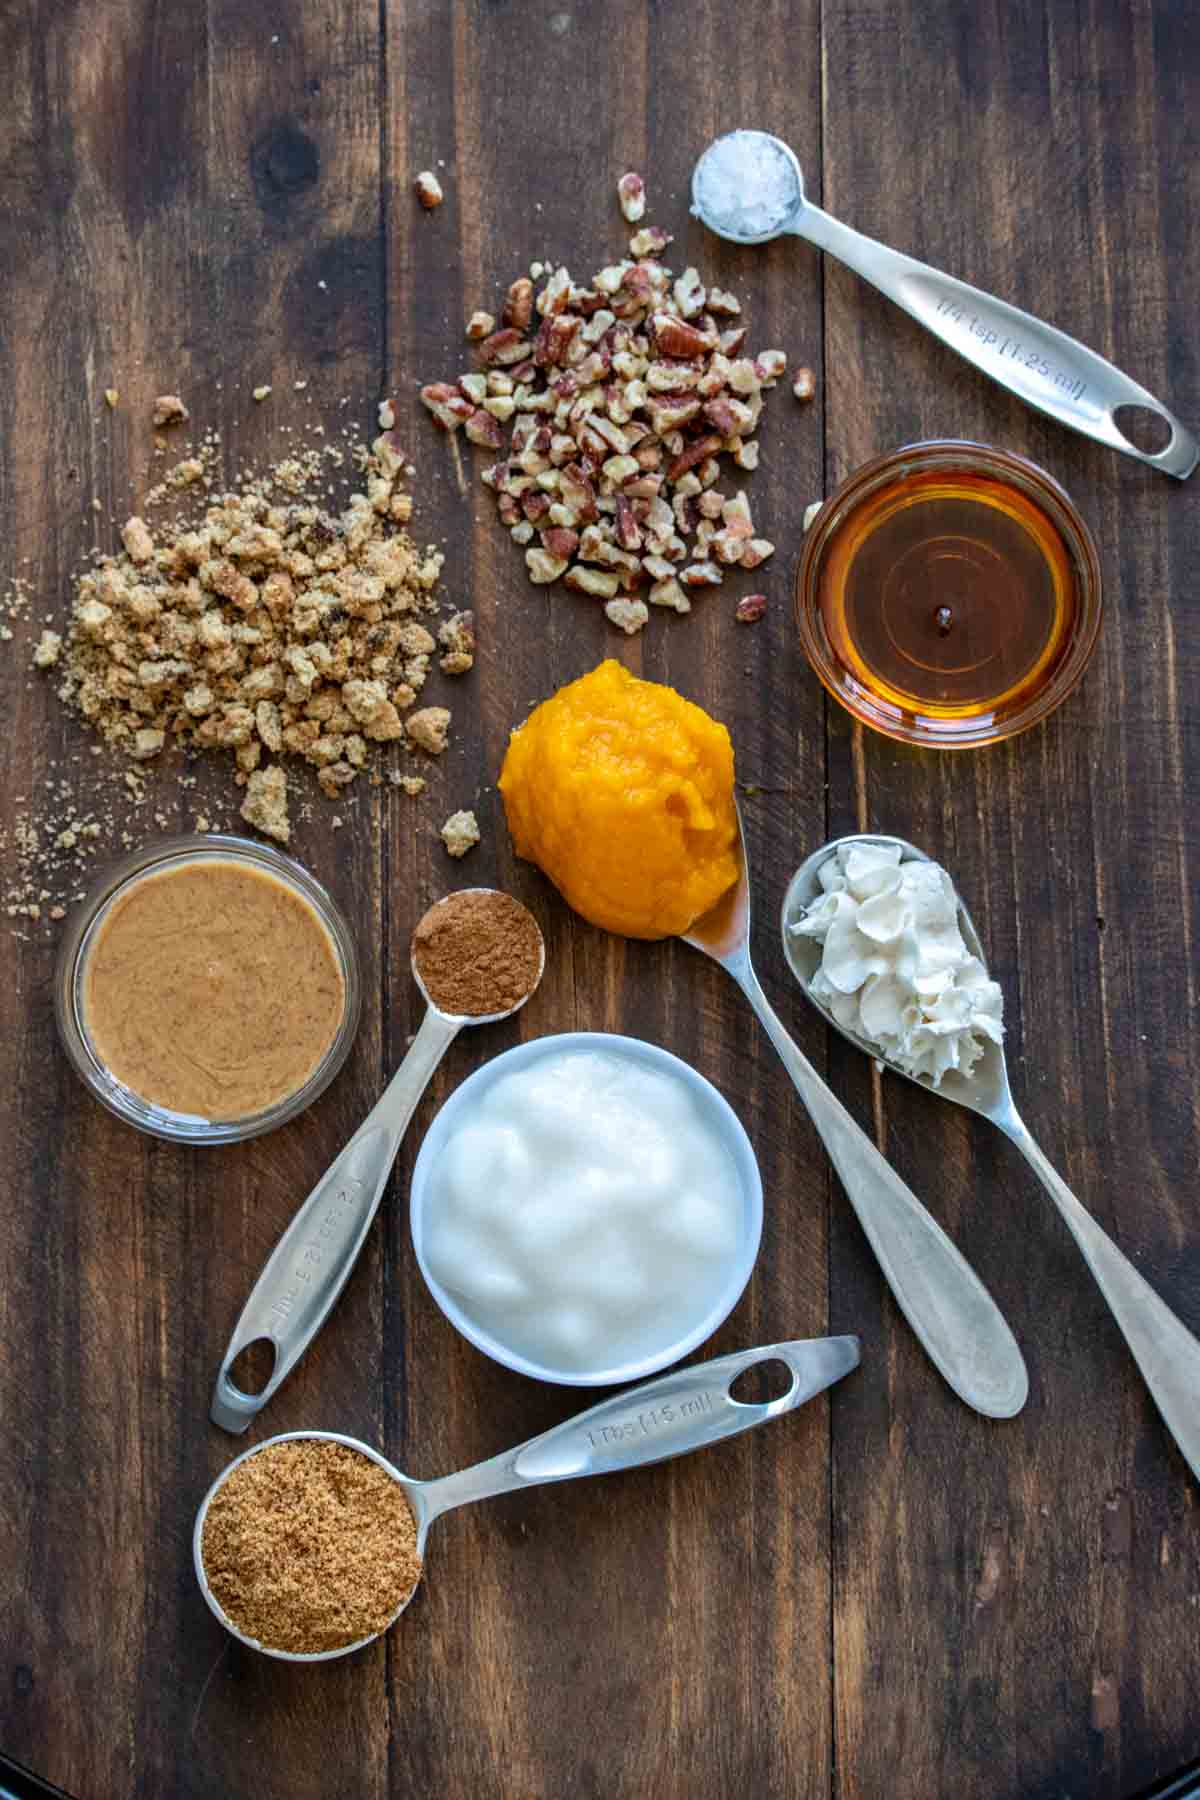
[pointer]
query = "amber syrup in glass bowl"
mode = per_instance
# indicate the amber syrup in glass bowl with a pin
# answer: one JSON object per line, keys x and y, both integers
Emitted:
{"x": 949, "y": 594}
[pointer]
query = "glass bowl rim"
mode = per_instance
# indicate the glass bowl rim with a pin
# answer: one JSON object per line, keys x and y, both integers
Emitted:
{"x": 130, "y": 1108}
{"x": 1007, "y": 465}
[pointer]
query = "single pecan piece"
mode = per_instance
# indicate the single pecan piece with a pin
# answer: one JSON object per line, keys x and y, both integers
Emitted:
{"x": 721, "y": 416}
{"x": 649, "y": 241}
{"x": 675, "y": 337}
{"x": 690, "y": 294}
{"x": 668, "y": 412}
{"x": 631, "y": 192}
{"x": 578, "y": 492}
{"x": 695, "y": 453}
{"x": 600, "y": 582}
{"x": 630, "y": 615}
{"x": 450, "y": 408}
{"x": 629, "y": 534}
{"x": 518, "y": 308}
{"x": 669, "y": 593}
{"x": 736, "y": 514}
{"x": 505, "y": 346}
{"x": 560, "y": 541}
{"x": 480, "y": 325}
{"x": 483, "y": 429}
{"x": 750, "y": 609}
{"x": 428, "y": 189}
{"x": 756, "y": 552}
{"x": 543, "y": 567}
{"x": 556, "y": 293}
{"x": 702, "y": 574}
{"x": 805, "y": 384}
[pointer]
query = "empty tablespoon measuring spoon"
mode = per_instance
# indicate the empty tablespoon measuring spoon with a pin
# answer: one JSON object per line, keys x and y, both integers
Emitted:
{"x": 310, "y": 1264}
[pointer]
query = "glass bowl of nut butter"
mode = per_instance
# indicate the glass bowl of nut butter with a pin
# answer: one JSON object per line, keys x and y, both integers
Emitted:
{"x": 949, "y": 594}
{"x": 207, "y": 989}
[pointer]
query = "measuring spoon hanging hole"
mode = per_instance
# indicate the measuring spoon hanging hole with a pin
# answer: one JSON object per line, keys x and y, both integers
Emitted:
{"x": 253, "y": 1366}
{"x": 765, "y": 1382}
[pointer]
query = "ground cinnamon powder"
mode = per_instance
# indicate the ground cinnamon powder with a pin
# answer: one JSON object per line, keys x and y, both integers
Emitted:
{"x": 478, "y": 951}
{"x": 310, "y": 1545}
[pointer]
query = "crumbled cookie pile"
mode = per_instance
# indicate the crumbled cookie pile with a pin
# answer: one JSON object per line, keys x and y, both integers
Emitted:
{"x": 622, "y": 397}
{"x": 268, "y": 628}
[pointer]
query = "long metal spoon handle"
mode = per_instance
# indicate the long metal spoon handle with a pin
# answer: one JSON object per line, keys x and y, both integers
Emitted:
{"x": 1163, "y": 1348}
{"x": 311, "y": 1263}
{"x": 683, "y": 1411}
{"x": 961, "y": 1327}
{"x": 1042, "y": 365}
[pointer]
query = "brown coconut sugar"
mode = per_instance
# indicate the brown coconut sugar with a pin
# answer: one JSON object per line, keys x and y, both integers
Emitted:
{"x": 309, "y": 1545}
{"x": 478, "y": 951}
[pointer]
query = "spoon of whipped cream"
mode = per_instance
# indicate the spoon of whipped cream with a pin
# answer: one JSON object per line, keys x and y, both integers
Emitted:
{"x": 881, "y": 943}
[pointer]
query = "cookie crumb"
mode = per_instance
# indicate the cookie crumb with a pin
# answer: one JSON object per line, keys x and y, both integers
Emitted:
{"x": 460, "y": 833}
{"x": 47, "y": 650}
{"x": 428, "y": 728}
{"x": 170, "y": 410}
{"x": 266, "y": 803}
{"x": 261, "y": 393}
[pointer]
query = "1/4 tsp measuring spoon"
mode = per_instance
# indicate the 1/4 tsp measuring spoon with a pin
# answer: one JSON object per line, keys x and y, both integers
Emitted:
{"x": 748, "y": 187}
{"x": 311, "y": 1263}
{"x": 685, "y": 1410}
{"x": 1163, "y": 1348}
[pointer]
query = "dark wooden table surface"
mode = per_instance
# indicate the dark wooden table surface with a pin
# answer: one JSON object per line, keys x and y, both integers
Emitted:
{"x": 885, "y": 1595}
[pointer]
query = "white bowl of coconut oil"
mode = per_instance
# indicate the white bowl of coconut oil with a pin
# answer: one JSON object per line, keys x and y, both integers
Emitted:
{"x": 586, "y": 1209}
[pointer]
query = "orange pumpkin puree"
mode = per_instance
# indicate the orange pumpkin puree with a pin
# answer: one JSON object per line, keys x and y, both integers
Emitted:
{"x": 622, "y": 792}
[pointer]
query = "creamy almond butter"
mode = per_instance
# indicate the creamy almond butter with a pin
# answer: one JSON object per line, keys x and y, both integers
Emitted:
{"x": 212, "y": 989}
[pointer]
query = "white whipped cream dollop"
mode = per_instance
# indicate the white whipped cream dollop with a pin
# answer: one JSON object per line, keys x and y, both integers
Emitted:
{"x": 894, "y": 968}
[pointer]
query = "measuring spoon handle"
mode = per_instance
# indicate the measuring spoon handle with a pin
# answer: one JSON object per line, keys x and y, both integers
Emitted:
{"x": 1040, "y": 364}
{"x": 961, "y": 1327}
{"x": 671, "y": 1416}
{"x": 1163, "y": 1348}
{"x": 311, "y": 1263}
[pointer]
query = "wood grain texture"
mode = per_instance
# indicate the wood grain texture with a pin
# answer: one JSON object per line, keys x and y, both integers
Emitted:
{"x": 883, "y": 1596}
{"x": 1062, "y": 1545}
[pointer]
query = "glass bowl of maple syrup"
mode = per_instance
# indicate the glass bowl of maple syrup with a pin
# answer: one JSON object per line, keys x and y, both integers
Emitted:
{"x": 949, "y": 594}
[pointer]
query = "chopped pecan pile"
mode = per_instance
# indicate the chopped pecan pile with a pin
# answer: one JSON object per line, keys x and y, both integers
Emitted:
{"x": 618, "y": 399}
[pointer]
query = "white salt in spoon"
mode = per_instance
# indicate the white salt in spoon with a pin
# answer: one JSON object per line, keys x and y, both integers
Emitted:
{"x": 747, "y": 187}
{"x": 686, "y": 1410}
{"x": 1163, "y": 1348}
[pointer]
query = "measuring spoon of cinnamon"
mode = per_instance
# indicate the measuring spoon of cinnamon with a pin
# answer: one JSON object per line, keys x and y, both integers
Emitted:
{"x": 309, "y": 1266}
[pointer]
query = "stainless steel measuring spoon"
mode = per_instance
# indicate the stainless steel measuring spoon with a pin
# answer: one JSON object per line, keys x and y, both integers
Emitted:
{"x": 1163, "y": 1348}
{"x": 683, "y": 1411}
{"x": 1037, "y": 362}
{"x": 311, "y": 1263}
{"x": 951, "y": 1312}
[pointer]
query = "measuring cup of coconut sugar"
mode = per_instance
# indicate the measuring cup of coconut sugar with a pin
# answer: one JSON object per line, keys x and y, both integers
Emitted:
{"x": 748, "y": 188}
{"x": 310, "y": 1545}
{"x": 477, "y": 956}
